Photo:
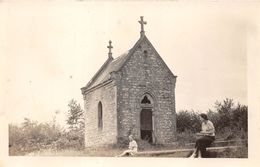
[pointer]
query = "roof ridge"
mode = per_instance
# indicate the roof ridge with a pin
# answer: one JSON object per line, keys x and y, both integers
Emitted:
{"x": 121, "y": 55}
{"x": 110, "y": 59}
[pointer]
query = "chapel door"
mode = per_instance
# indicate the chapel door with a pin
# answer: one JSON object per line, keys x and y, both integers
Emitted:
{"x": 146, "y": 125}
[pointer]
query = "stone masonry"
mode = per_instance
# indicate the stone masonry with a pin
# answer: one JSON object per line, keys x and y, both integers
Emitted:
{"x": 137, "y": 93}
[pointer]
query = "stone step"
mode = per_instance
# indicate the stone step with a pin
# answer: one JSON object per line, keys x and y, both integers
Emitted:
{"x": 218, "y": 143}
{"x": 163, "y": 152}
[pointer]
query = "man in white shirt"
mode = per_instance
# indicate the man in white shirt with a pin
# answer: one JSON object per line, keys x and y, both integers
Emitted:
{"x": 132, "y": 148}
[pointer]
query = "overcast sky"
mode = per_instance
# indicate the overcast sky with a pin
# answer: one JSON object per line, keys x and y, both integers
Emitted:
{"x": 51, "y": 50}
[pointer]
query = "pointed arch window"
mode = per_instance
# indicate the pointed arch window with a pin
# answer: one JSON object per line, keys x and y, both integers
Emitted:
{"x": 146, "y": 100}
{"x": 100, "y": 116}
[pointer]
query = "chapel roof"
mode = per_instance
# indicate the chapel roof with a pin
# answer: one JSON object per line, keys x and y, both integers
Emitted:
{"x": 114, "y": 65}
{"x": 104, "y": 74}
{"x": 111, "y": 65}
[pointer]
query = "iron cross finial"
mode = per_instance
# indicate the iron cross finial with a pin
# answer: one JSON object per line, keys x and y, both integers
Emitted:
{"x": 110, "y": 48}
{"x": 142, "y": 22}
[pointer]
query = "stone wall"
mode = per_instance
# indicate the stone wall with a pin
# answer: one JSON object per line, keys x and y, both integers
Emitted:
{"x": 143, "y": 73}
{"x": 108, "y": 134}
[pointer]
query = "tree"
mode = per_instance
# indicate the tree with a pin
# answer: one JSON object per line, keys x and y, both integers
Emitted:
{"x": 231, "y": 119}
{"x": 240, "y": 117}
{"x": 75, "y": 121}
{"x": 215, "y": 118}
{"x": 75, "y": 115}
{"x": 225, "y": 110}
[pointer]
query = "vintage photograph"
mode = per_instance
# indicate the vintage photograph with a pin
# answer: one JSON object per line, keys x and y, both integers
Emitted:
{"x": 126, "y": 79}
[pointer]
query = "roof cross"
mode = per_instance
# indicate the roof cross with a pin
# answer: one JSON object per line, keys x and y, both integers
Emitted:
{"x": 110, "y": 48}
{"x": 142, "y": 22}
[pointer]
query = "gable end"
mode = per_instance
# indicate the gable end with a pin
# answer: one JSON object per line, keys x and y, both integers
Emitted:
{"x": 144, "y": 38}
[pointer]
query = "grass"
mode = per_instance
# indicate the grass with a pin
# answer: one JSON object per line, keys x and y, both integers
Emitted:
{"x": 108, "y": 152}
{"x": 113, "y": 150}
{"x": 57, "y": 153}
{"x": 234, "y": 153}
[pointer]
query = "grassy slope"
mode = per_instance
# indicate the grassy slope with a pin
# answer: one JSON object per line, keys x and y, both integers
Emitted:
{"x": 111, "y": 152}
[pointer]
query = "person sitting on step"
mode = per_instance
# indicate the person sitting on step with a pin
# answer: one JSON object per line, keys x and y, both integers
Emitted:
{"x": 204, "y": 138}
{"x": 132, "y": 148}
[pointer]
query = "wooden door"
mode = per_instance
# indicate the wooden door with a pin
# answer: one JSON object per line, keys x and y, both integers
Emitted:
{"x": 146, "y": 125}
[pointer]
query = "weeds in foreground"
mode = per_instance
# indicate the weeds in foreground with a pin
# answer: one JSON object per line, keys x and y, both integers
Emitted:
{"x": 234, "y": 153}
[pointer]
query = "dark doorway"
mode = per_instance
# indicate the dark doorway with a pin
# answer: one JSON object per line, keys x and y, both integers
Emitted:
{"x": 146, "y": 125}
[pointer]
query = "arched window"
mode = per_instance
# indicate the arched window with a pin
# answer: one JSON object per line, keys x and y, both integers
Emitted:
{"x": 100, "y": 116}
{"x": 146, "y": 100}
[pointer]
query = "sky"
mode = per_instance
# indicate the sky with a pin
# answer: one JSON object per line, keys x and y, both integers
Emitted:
{"x": 50, "y": 50}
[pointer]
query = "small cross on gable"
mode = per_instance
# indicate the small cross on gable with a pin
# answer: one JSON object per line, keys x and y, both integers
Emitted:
{"x": 142, "y": 22}
{"x": 110, "y": 48}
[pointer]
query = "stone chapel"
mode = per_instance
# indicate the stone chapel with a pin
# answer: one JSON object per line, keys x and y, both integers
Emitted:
{"x": 131, "y": 94}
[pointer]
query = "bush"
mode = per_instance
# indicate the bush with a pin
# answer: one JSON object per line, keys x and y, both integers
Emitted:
{"x": 31, "y": 136}
{"x": 231, "y": 116}
{"x": 229, "y": 119}
{"x": 185, "y": 137}
{"x": 227, "y": 115}
{"x": 188, "y": 121}
{"x": 234, "y": 153}
{"x": 122, "y": 143}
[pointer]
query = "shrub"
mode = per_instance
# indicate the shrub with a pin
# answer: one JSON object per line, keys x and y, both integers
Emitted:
{"x": 188, "y": 121}
{"x": 185, "y": 137}
{"x": 229, "y": 119}
{"x": 234, "y": 153}
{"x": 122, "y": 143}
{"x": 227, "y": 115}
{"x": 32, "y": 136}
